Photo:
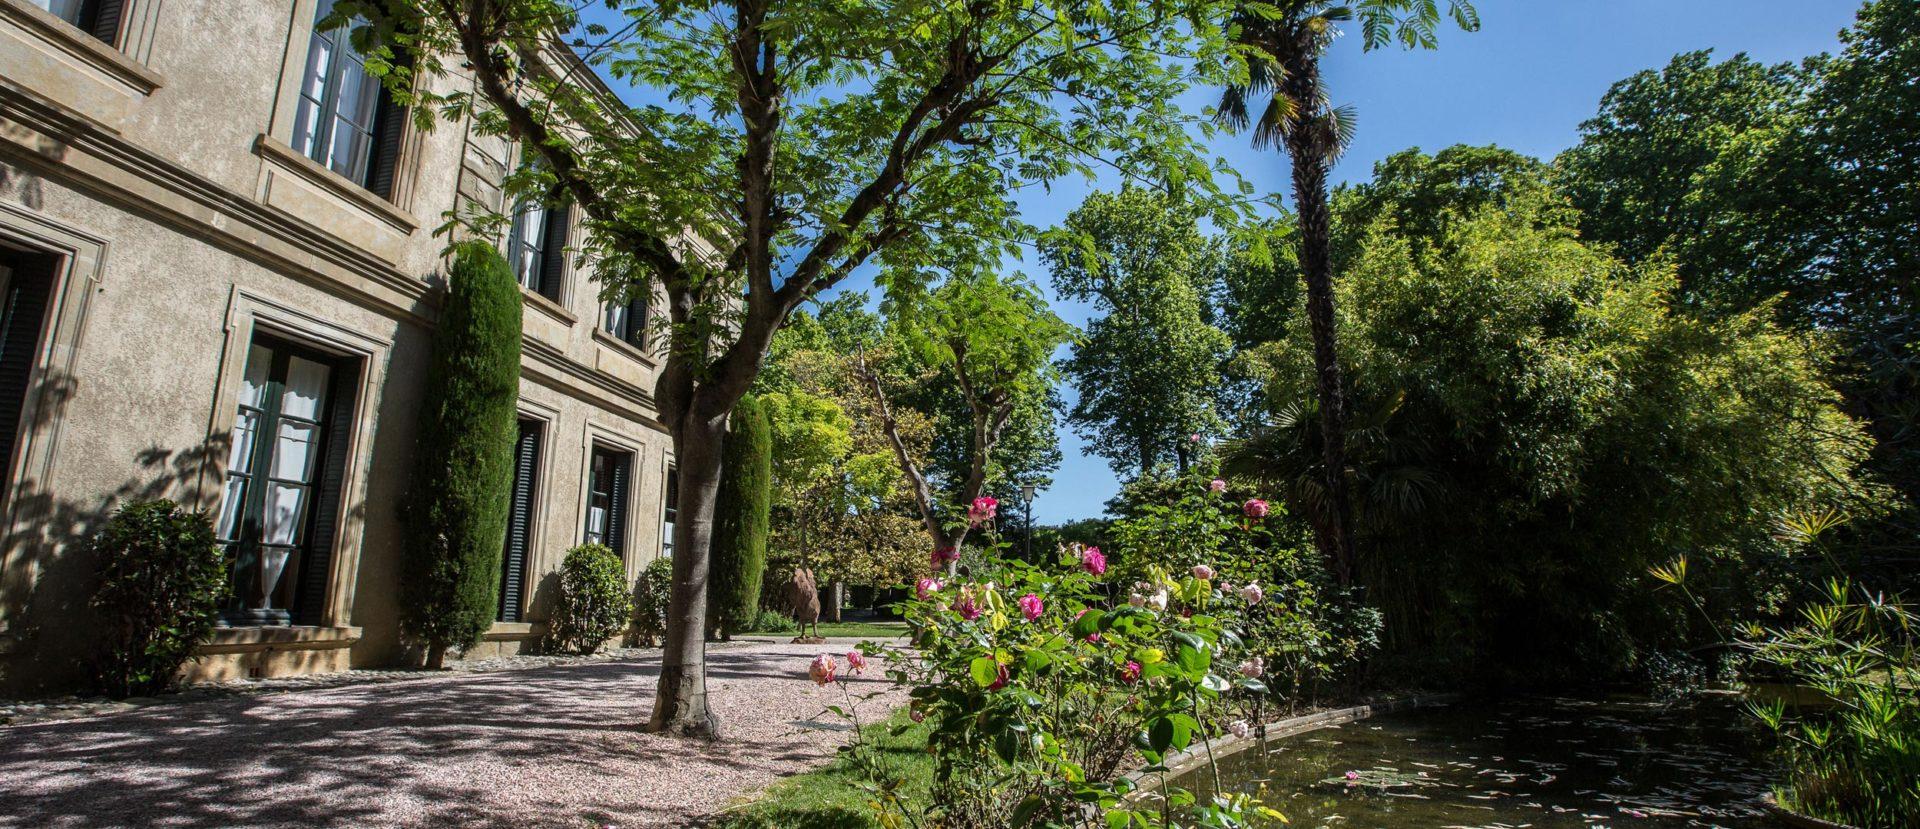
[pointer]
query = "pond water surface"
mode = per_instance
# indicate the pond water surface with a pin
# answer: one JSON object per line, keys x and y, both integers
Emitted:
{"x": 1541, "y": 763}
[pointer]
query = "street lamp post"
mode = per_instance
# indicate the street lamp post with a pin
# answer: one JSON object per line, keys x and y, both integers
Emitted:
{"x": 1026, "y": 492}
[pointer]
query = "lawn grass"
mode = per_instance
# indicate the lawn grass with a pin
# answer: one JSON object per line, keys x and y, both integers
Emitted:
{"x": 861, "y": 630}
{"x": 831, "y": 797}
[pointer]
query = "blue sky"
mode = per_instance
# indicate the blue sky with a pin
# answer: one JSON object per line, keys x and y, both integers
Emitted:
{"x": 1525, "y": 81}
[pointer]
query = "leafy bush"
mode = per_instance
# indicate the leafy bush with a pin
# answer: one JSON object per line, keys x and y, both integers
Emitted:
{"x": 773, "y": 621}
{"x": 463, "y": 472}
{"x": 740, "y": 521}
{"x": 593, "y": 604}
{"x": 162, "y": 576}
{"x": 1035, "y": 689}
{"x": 1534, "y": 423}
{"x": 1858, "y": 763}
{"x": 651, "y": 595}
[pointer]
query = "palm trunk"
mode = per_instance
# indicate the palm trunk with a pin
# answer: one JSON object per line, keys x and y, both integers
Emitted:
{"x": 680, "y": 699}
{"x": 1332, "y": 531}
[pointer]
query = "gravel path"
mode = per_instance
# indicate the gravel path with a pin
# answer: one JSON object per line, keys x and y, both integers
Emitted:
{"x": 557, "y": 746}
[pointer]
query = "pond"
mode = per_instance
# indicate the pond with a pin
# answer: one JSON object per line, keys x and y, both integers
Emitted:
{"x": 1538, "y": 763}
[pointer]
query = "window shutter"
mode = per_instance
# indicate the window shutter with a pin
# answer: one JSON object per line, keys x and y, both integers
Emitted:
{"x": 24, "y": 313}
{"x": 553, "y": 264}
{"x": 617, "y": 512}
{"x": 513, "y": 560}
{"x": 316, "y": 561}
{"x": 388, "y": 127}
{"x": 636, "y": 333}
{"x": 103, "y": 20}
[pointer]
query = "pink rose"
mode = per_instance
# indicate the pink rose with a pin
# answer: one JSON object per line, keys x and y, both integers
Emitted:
{"x": 926, "y": 586}
{"x": 984, "y": 508}
{"x": 823, "y": 670}
{"x": 1252, "y": 593}
{"x": 1253, "y": 668}
{"x": 1203, "y": 572}
{"x": 943, "y": 556}
{"x": 1218, "y": 485}
{"x": 966, "y": 606}
{"x": 1000, "y": 678}
{"x": 1093, "y": 561}
{"x": 856, "y": 662}
{"x": 1130, "y": 672}
{"x": 1031, "y": 607}
{"x": 1193, "y": 438}
{"x": 1255, "y": 508}
{"x": 1238, "y": 728}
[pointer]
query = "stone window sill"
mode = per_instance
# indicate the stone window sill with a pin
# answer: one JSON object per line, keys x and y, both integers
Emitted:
{"x": 82, "y": 46}
{"x": 510, "y": 631}
{"x": 296, "y": 637}
{"x": 291, "y": 160}
{"x": 624, "y": 347}
{"x": 541, "y": 303}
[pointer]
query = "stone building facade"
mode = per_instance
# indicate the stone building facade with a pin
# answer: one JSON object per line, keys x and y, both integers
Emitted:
{"x": 218, "y": 279}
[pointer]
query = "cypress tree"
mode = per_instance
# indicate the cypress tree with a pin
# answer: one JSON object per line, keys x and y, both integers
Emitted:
{"x": 456, "y": 517}
{"x": 740, "y": 520}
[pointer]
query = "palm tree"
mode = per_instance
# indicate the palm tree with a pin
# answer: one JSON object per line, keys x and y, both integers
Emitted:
{"x": 1282, "y": 41}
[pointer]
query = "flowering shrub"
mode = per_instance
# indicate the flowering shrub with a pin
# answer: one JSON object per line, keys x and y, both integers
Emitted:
{"x": 1308, "y": 631}
{"x": 1039, "y": 692}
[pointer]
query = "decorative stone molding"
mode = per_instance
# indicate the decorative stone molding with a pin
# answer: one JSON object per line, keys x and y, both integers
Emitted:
{"x": 291, "y": 160}
{"x": 80, "y": 46}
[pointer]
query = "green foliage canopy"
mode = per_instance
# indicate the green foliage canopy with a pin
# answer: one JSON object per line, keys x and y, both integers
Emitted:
{"x": 1147, "y": 370}
{"x": 1537, "y": 424}
{"x": 162, "y": 575}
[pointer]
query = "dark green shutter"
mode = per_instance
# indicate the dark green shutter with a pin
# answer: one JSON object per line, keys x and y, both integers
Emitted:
{"x": 389, "y": 126}
{"x": 553, "y": 256}
{"x": 617, "y": 512}
{"x": 22, "y": 316}
{"x": 513, "y": 560}
{"x": 102, "y": 19}
{"x": 316, "y": 561}
{"x": 636, "y": 333}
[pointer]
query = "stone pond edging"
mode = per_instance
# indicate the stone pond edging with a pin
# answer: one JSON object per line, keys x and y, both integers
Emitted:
{"x": 1196, "y": 756}
{"x": 1788, "y": 817}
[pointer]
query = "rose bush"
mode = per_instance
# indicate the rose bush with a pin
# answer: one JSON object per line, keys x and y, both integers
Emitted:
{"x": 1040, "y": 692}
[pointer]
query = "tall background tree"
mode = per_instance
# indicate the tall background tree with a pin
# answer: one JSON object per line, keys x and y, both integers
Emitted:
{"x": 456, "y": 517}
{"x": 740, "y": 521}
{"x": 976, "y": 351}
{"x": 794, "y": 143}
{"x": 1283, "y": 43}
{"x": 1788, "y": 188}
{"x": 1148, "y": 369}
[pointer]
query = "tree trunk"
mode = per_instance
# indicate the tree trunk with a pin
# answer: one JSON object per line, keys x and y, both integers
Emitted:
{"x": 680, "y": 701}
{"x": 436, "y": 656}
{"x": 1332, "y": 533}
{"x": 836, "y": 596}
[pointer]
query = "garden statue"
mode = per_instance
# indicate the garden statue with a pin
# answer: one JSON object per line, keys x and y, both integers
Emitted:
{"x": 803, "y": 595}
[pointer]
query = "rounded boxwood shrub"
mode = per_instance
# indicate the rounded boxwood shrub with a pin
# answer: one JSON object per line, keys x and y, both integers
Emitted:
{"x": 162, "y": 576}
{"x": 593, "y": 604}
{"x": 651, "y": 595}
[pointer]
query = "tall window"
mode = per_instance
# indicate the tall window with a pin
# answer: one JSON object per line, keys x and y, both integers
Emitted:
{"x": 671, "y": 513}
{"x": 100, "y": 18}
{"x": 536, "y": 246}
{"x": 608, "y": 481}
{"x": 627, "y": 321}
{"x": 279, "y": 471}
{"x": 346, "y": 119}
{"x": 519, "y": 544}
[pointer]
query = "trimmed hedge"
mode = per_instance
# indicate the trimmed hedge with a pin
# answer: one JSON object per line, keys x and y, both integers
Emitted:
{"x": 456, "y": 518}
{"x": 740, "y": 521}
